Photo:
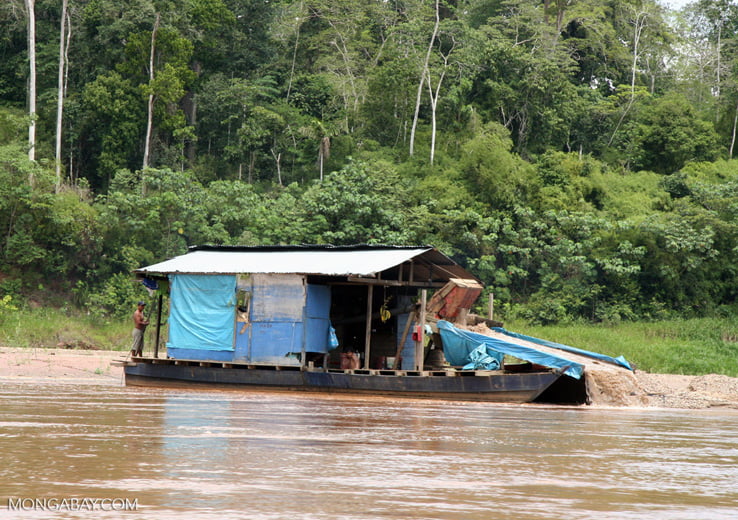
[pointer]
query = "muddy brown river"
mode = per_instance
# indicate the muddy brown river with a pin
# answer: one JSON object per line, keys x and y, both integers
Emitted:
{"x": 88, "y": 451}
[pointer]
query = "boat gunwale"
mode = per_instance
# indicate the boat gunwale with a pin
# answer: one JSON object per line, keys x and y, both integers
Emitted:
{"x": 374, "y": 372}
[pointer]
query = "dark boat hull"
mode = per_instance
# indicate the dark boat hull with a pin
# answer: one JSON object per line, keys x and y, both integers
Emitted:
{"x": 494, "y": 386}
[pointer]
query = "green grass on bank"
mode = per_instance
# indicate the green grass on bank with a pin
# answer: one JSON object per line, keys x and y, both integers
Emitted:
{"x": 53, "y": 328}
{"x": 694, "y": 347}
{"x": 690, "y": 347}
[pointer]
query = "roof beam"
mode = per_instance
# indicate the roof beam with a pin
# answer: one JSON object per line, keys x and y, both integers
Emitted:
{"x": 393, "y": 283}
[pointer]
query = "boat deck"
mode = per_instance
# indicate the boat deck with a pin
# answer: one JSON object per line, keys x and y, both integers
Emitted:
{"x": 310, "y": 367}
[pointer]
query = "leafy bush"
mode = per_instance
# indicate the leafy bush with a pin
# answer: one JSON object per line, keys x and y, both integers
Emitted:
{"x": 117, "y": 298}
{"x": 6, "y": 307}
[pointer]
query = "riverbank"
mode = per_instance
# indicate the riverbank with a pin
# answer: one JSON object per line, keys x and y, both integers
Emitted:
{"x": 94, "y": 367}
{"x": 677, "y": 391}
{"x": 694, "y": 346}
{"x": 61, "y": 365}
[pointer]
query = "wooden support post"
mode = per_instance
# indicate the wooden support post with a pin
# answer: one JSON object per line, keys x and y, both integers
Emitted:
{"x": 303, "y": 352}
{"x": 420, "y": 345}
{"x": 158, "y": 325}
{"x": 461, "y": 317}
{"x": 491, "y": 306}
{"x": 368, "y": 337}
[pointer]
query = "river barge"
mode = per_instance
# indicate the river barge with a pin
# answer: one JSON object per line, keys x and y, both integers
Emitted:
{"x": 478, "y": 385}
{"x": 334, "y": 319}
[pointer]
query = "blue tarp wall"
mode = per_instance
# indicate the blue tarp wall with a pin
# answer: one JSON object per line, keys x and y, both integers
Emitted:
{"x": 277, "y": 320}
{"x": 317, "y": 318}
{"x": 201, "y": 316}
{"x": 286, "y": 316}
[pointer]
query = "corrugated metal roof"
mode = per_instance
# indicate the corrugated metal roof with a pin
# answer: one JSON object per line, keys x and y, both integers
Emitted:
{"x": 316, "y": 260}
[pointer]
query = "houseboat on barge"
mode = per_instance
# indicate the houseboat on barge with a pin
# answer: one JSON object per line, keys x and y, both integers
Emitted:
{"x": 329, "y": 318}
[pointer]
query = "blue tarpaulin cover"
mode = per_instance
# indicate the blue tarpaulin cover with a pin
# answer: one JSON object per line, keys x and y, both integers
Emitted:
{"x": 202, "y": 312}
{"x": 483, "y": 358}
{"x": 620, "y": 360}
{"x": 458, "y": 344}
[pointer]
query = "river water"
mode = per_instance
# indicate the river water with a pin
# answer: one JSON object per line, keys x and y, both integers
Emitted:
{"x": 227, "y": 455}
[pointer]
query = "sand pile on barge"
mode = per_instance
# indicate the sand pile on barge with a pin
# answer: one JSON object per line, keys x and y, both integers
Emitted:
{"x": 612, "y": 385}
{"x": 607, "y": 384}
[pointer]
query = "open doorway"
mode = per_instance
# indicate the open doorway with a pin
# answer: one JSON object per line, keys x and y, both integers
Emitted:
{"x": 349, "y": 318}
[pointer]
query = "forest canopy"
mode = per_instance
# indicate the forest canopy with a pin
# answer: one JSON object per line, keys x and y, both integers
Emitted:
{"x": 576, "y": 155}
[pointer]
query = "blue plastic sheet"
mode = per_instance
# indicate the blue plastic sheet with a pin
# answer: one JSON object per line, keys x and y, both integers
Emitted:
{"x": 458, "y": 344}
{"x": 620, "y": 360}
{"x": 483, "y": 358}
{"x": 202, "y": 312}
{"x": 332, "y": 338}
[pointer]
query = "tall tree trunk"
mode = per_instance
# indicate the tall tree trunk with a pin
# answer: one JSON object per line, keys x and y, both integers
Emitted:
{"x": 546, "y": 7}
{"x": 324, "y": 151}
{"x": 560, "y": 13}
{"x": 150, "y": 116}
{"x": 434, "y": 95}
{"x": 433, "y": 101}
{"x": 277, "y": 161}
{"x": 717, "y": 82}
{"x": 423, "y": 75}
{"x": 30, "y": 10}
{"x": 294, "y": 54}
{"x": 732, "y": 138}
{"x": 60, "y": 93}
{"x": 189, "y": 105}
{"x": 634, "y": 67}
{"x": 320, "y": 164}
{"x": 640, "y": 22}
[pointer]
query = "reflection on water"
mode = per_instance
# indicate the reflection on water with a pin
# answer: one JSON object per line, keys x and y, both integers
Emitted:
{"x": 285, "y": 455}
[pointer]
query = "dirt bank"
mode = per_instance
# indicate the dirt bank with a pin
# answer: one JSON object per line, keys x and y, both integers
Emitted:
{"x": 60, "y": 365}
{"x": 93, "y": 367}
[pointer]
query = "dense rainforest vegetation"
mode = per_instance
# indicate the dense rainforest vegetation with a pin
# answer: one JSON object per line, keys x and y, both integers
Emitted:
{"x": 577, "y": 155}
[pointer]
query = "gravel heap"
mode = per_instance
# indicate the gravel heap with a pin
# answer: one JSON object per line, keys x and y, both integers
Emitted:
{"x": 677, "y": 391}
{"x": 611, "y": 385}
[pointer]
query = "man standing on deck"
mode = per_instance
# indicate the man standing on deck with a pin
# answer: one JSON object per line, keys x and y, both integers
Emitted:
{"x": 139, "y": 326}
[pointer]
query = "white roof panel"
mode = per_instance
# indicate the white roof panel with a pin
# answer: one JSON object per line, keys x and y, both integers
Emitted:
{"x": 332, "y": 262}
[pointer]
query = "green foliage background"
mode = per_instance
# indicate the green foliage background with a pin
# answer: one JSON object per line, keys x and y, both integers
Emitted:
{"x": 576, "y": 156}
